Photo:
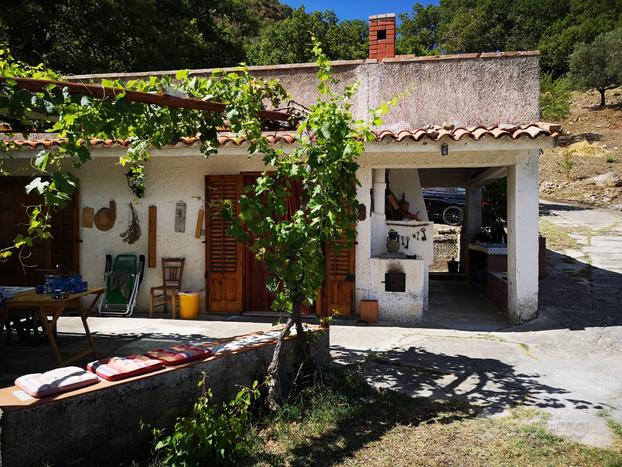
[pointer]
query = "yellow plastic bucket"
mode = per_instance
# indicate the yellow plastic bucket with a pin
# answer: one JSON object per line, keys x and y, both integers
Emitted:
{"x": 189, "y": 304}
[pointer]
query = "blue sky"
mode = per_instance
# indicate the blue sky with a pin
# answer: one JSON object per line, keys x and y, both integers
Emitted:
{"x": 357, "y": 9}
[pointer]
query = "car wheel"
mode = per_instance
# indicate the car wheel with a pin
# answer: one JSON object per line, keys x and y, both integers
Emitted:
{"x": 452, "y": 215}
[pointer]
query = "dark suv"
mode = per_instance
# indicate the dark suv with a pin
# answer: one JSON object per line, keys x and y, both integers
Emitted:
{"x": 445, "y": 205}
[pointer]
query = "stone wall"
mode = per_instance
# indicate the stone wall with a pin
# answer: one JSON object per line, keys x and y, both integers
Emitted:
{"x": 102, "y": 426}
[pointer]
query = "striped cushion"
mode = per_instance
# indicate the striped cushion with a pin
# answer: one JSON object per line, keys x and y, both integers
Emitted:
{"x": 115, "y": 368}
{"x": 178, "y": 354}
{"x": 55, "y": 381}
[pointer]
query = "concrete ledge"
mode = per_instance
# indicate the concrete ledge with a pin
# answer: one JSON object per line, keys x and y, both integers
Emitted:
{"x": 100, "y": 425}
{"x": 297, "y": 66}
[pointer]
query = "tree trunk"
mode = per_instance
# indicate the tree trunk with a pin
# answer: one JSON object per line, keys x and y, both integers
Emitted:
{"x": 274, "y": 397}
{"x": 274, "y": 387}
{"x": 602, "y": 96}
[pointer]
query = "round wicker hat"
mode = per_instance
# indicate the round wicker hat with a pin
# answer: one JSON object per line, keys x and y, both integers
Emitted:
{"x": 105, "y": 217}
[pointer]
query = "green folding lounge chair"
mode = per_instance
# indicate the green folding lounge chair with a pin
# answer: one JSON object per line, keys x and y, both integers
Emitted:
{"x": 122, "y": 280}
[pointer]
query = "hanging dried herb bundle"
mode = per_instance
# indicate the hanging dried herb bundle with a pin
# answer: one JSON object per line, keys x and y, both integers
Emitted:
{"x": 132, "y": 234}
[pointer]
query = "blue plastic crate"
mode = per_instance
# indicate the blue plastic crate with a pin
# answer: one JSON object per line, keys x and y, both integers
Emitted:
{"x": 70, "y": 283}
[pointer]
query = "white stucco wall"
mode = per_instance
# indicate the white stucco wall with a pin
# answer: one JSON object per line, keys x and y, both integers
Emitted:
{"x": 182, "y": 177}
{"x": 168, "y": 180}
{"x": 406, "y": 181}
{"x": 179, "y": 174}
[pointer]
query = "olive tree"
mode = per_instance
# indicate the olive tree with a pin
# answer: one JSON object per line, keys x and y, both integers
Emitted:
{"x": 598, "y": 65}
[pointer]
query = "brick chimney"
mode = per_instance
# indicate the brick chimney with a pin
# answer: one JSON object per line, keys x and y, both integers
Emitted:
{"x": 382, "y": 36}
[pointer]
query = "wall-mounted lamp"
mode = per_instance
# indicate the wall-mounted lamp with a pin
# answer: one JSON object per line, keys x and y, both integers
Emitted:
{"x": 444, "y": 149}
{"x": 135, "y": 183}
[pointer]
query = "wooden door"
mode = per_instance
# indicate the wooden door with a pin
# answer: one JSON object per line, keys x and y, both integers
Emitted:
{"x": 256, "y": 295}
{"x": 59, "y": 254}
{"x": 224, "y": 254}
{"x": 339, "y": 288}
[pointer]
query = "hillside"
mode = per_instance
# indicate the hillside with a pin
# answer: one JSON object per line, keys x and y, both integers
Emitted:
{"x": 121, "y": 36}
{"x": 587, "y": 166}
{"x": 269, "y": 10}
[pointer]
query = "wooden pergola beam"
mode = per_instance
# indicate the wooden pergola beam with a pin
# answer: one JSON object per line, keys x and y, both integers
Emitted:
{"x": 104, "y": 92}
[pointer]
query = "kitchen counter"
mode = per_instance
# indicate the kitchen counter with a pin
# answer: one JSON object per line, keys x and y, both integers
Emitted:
{"x": 490, "y": 248}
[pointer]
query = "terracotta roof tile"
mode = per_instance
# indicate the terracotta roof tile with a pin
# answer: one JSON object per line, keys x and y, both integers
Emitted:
{"x": 433, "y": 133}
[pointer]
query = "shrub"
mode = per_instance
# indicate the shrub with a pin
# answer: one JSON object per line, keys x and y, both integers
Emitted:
{"x": 554, "y": 97}
{"x": 212, "y": 434}
{"x": 566, "y": 164}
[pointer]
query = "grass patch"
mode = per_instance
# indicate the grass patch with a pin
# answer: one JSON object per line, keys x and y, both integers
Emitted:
{"x": 349, "y": 423}
{"x": 616, "y": 429}
{"x": 611, "y": 229}
{"x": 560, "y": 239}
{"x": 586, "y": 149}
{"x": 328, "y": 426}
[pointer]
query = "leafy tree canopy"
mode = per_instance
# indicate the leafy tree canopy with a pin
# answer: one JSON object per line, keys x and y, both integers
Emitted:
{"x": 452, "y": 26}
{"x": 91, "y": 36}
{"x": 554, "y": 27}
{"x": 598, "y": 65}
{"x": 554, "y": 97}
{"x": 289, "y": 40}
{"x": 582, "y": 21}
{"x": 418, "y": 32}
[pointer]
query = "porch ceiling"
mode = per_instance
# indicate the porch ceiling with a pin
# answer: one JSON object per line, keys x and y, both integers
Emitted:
{"x": 449, "y": 177}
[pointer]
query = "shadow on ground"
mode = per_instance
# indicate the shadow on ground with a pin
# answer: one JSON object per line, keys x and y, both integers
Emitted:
{"x": 415, "y": 387}
{"x": 364, "y": 415}
{"x": 488, "y": 383}
{"x": 576, "y": 295}
{"x": 573, "y": 295}
{"x": 549, "y": 208}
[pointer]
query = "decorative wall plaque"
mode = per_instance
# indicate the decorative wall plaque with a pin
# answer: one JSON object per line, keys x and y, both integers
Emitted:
{"x": 180, "y": 217}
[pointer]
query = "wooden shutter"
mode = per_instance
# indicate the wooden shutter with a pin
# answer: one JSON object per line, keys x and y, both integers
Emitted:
{"x": 340, "y": 280}
{"x": 66, "y": 238}
{"x": 224, "y": 254}
{"x": 58, "y": 254}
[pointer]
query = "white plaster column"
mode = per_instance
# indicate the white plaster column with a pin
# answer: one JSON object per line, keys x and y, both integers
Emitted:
{"x": 472, "y": 224}
{"x": 523, "y": 217}
{"x": 378, "y": 219}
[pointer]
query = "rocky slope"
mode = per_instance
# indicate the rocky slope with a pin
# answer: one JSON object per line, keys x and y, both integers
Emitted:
{"x": 586, "y": 167}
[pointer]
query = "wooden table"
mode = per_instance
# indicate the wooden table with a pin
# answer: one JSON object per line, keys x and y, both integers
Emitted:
{"x": 45, "y": 305}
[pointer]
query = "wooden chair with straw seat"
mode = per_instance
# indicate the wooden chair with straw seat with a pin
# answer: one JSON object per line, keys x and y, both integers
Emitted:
{"x": 165, "y": 294}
